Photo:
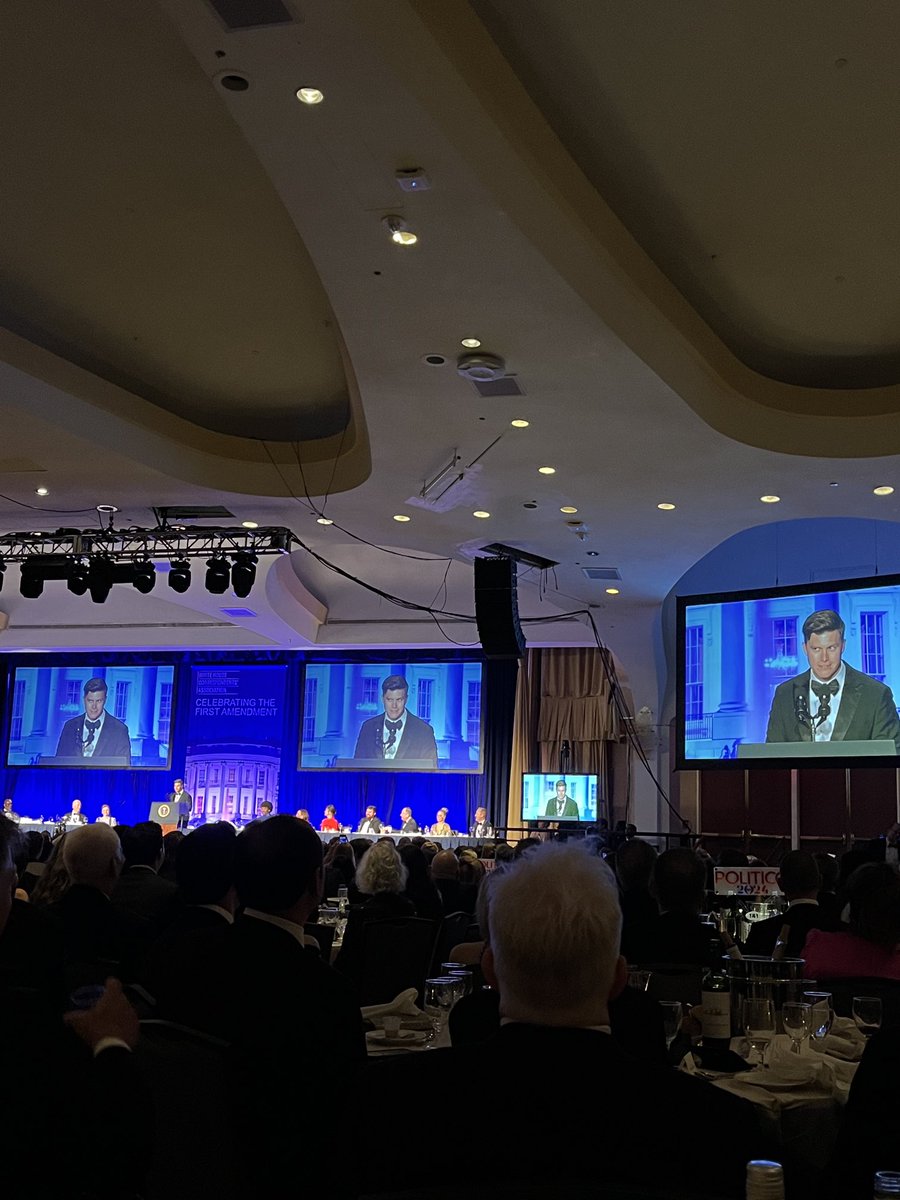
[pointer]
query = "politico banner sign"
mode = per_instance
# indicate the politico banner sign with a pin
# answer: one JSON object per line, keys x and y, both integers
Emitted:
{"x": 747, "y": 881}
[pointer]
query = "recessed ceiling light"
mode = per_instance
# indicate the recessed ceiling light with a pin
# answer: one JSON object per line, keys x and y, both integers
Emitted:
{"x": 666, "y": 506}
{"x": 250, "y": 524}
{"x": 470, "y": 343}
{"x": 324, "y": 521}
{"x": 770, "y": 499}
{"x": 593, "y": 553}
{"x": 401, "y": 517}
{"x": 310, "y": 95}
{"x": 884, "y": 490}
{"x": 42, "y": 491}
{"x": 547, "y": 470}
{"x": 480, "y": 512}
{"x": 519, "y": 423}
{"x": 568, "y": 508}
{"x": 400, "y": 232}
{"x": 612, "y": 591}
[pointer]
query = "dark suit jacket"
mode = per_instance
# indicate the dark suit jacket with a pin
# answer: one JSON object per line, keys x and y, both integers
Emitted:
{"x": 801, "y": 918}
{"x": 570, "y": 809}
{"x": 634, "y": 1103}
{"x": 374, "y": 825}
{"x": 99, "y": 939}
{"x": 410, "y": 826}
{"x": 143, "y": 892}
{"x": 417, "y": 740}
{"x": 112, "y": 742}
{"x": 184, "y": 802}
{"x": 867, "y": 711}
{"x": 484, "y": 829}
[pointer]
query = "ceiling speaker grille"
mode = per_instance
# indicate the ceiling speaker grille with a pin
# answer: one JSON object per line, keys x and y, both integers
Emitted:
{"x": 251, "y": 14}
{"x": 508, "y": 385}
{"x": 601, "y": 572}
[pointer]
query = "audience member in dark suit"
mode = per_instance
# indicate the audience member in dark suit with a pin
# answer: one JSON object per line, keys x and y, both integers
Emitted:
{"x": 408, "y": 823}
{"x": 188, "y": 949}
{"x": 293, "y": 1021}
{"x": 380, "y": 878}
{"x": 676, "y": 934}
{"x": 800, "y": 881}
{"x": 635, "y": 861}
{"x": 99, "y": 939}
{"x": 829, "y": 870}
{"x": 552, "y": 955}
{"x": 445, "y": 876}
{"x": 140, "y": 888}
{"x": 419, "y": 888}
{"x": 869, "y": 1135}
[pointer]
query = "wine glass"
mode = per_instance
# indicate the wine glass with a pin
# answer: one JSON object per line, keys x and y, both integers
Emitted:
{"x": 638, "y": 979}
{"x": 797, "y": 1021}
{"x": 672, "y": 1013}
{"x": 867, "y": 1014}
{"x": 440, "y": 994}
{"x": 822, "y": 1015}
{"x": 759, "y": 1026}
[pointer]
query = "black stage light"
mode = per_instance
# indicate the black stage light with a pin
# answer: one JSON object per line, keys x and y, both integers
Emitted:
{"x": 179, "y": 575}
{"x": 243, "y": 574}
{"x": 77, "y": 583}
{"x": 100, "y": 578}
{"x": 31, "y": 584}
{"x": 144, "y": 576}
{"x": 217, "y": 573}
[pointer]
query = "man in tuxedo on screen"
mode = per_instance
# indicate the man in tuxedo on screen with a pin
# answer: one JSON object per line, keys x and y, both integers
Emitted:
{"x": 96, "y": 734}
{"x": 561, "y": 805}
{"x": 831, "y": 702}
{"x": 397, "y": 734}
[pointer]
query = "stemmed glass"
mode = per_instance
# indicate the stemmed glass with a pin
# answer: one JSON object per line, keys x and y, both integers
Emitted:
{"x": 440, "y": 995}
{"x": 822, "y": 1016}
{"x": 759, "y": 1026}
{"x": 797, "y": 1020}
{"x": 867, "y": 1014}
{"x": 672, "y": 1014}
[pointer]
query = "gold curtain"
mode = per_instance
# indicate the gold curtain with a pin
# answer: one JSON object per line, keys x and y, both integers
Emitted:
{"x": 562, "y": 695}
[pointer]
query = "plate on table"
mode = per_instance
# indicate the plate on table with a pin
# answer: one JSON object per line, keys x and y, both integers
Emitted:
{"x": 402, "y": 1038}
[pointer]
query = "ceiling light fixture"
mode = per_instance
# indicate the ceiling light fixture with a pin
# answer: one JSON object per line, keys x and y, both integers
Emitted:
{"x": 665, "y": 506}
{"x": 42, "y": 491}
{"x": 519, "y": 423}
{"x": 770, "y": 499}
{"x": 144, "y": 579}
{"x": 324, "y": 521}
{"x": 884, "y": 490}
{"x": 310, "y": 95}
{"x": 243, "y": 574}
{"x": 250, "y": 524}
{"x": 480, "y": 512}
{"x": 180, "y": 575}
{"x": 218, "y": 571}
{"x": 400, "y": 232}
{"x": 470, "y": 343}
{"x": 612, "y": 591}
{"x": 547, "y": 470}
{"x": 569, "y": 508}
{"x": 100, "y": 578}
{"x": 401, "y": 517}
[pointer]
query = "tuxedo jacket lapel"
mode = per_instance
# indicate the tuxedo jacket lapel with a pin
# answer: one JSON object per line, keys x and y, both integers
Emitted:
{"x": 849, "y": 703}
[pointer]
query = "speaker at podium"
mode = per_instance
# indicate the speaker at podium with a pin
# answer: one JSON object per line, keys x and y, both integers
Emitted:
{"x": 164, "y": 813}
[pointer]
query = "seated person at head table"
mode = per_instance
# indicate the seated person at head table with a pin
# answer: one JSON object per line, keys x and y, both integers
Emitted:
{"x": 440, "y": 828}
{"x": 556, "y": 973}
{"x": 96, "y": 733}
{"x": 105, "y": 817}
{"x": 396, "y": 734}
{"x": 329, "y": 821}
{"x": 75, "y": 816}
{"x": 407, "y": 823}
{"x": 561, "y": 805}
{"x": 301, "y": 814}
{"x": 8, "y": 811}
{"x": 266, "y": 809}
{"x": 481, "y": 827}
{"x": 832, "y": 701}
{"x": 370, "y": 822}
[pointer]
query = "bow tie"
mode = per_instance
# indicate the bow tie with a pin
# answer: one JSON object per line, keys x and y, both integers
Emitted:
{"x": 393, "y": 726}
{"x": 90, "y": 728}
{"x": 824, "y": 690}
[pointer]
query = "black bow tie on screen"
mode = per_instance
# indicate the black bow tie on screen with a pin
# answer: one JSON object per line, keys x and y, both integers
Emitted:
{"x": 824, "y": 690}
{"x": 91, "y": 728}
{"x": 393, "y": 728}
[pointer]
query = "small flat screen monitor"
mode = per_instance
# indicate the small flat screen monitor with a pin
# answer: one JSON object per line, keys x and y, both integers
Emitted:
{"x": 559, "y": 797}
{"x": 88, "y": 716}
{"x": 800, "y": 676}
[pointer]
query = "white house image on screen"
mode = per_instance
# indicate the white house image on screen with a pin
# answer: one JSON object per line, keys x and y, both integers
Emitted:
{"x": 229, "y": 782}
{"x": 737, "y": 653}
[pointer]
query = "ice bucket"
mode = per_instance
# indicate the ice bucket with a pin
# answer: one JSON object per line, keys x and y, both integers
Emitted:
{"x": 754, "y": 977}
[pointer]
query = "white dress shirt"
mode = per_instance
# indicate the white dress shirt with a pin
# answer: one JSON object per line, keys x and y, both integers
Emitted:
{"x": 390, "y": 752}
{"x": 87, "y": 751}
{"x": 826, "y": 729}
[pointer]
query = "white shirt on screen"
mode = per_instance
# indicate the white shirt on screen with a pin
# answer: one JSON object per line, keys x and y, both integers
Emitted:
{"x": 87, "y": 750}
{"x": 391, "y": 751}
{"x": 825, "y": 730}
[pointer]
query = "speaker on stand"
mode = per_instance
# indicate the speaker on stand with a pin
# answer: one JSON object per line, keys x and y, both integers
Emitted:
{"x": 497, "y": 608}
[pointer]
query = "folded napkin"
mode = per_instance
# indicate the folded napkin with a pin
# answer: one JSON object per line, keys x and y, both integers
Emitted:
{"x": 402, "y": 1005}
{"x": 844, "y": 1041}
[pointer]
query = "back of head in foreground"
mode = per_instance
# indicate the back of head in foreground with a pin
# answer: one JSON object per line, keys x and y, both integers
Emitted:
{"x": 92, "y": 855}
{"x": 278, "y": 865}
{"x": 553, "y": 950}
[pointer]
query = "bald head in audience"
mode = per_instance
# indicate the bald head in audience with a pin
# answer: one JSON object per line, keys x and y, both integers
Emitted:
{"x": 93, "y": 856}
{"x": 445, "y": 865}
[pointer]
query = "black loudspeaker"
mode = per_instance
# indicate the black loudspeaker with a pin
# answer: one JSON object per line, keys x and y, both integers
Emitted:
{"x": 497, "y": 609}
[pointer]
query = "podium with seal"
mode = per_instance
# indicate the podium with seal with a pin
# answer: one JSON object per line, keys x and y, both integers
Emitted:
{"x": 164, "y": 813}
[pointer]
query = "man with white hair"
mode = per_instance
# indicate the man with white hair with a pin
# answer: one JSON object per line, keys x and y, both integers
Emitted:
{"x": 552, "y": 953}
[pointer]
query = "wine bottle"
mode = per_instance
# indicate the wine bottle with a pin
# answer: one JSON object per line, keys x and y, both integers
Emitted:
{"x": 716, "y": 1007}
{"x": 765, "y": 1180}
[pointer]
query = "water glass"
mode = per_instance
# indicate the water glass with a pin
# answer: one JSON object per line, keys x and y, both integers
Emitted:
{"x": 440, "y": 996}
{"x": 672, "y": 1015}
{"x": 887, "y": 1185}
{"x": 797, "y": 1022}
{"x": 822, "y": 1015}
{"x": 759, "y": 1026}
{"x": 867, "y": 1014}
{"x": 638, "y": 979}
